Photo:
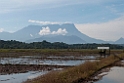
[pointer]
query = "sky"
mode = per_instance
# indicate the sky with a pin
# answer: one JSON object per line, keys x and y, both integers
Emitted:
{"x": 101, "y": 19}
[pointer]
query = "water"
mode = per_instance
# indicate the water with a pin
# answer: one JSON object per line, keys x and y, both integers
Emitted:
{"x": 51, "y": 60}
{"x": 115, "y": 75}
{"x": 74, "y": 57}
{"x": 38, "y": 60}
{"x": 21, "y": 77}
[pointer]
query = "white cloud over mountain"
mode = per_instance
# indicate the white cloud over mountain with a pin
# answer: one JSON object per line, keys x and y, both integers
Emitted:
{"x": 46, "y": 22}
{"x": 60, "y": 32}
{"x": 47, "y": 31}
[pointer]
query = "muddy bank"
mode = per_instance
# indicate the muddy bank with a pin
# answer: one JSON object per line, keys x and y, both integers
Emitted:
{"x": 9, "y": 68}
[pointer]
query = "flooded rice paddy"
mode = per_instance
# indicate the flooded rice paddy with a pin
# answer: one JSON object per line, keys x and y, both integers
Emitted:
{"x": 50, "y": 60}
{"x": 115, "y": 75}
{"x": 20, "y": 77}
{"x": 21, "y": 68}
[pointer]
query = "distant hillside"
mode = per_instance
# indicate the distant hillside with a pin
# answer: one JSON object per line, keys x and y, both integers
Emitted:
{"x": 12, "y": 44}
{"x": 59, "y": 38}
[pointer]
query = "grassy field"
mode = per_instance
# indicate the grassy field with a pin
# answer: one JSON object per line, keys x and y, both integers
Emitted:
{"x": 79, "y": 73}
{"x": 74, "y": 52}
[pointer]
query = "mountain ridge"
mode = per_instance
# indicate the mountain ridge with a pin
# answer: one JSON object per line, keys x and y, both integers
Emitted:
{"x": 67, "y": 30}
{"x": 59, "y": 38}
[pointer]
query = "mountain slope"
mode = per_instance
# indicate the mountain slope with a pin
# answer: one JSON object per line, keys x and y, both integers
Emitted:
{"x": 27, "y": 33}
{"x": 119, "y": 41}
{"x": 59, "y": 38}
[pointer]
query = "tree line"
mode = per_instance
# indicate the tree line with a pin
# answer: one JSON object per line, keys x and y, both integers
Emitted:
{"x": 13, "y": 44}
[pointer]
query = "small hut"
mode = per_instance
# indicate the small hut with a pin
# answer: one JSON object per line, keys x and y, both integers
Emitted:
{"x": 104, "y": 51}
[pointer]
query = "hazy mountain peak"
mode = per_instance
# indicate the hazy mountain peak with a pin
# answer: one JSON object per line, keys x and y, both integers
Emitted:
{"x": 120, "y": 41}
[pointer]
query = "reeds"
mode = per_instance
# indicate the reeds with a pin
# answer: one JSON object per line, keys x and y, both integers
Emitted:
{"x": 77, "y": 74}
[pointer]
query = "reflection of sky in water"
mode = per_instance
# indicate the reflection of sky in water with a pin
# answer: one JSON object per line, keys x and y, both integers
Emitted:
{"x": 116, "y": 75}
{"x": 21, "y": 77}
{"x": 40, "y": 62}
{"x": 73, "y": 57}
{"x": 28, "y": 60}
{"x": 63, "y": 62}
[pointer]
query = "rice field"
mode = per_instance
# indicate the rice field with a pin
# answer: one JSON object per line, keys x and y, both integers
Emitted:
{"x": 22, "y": 61}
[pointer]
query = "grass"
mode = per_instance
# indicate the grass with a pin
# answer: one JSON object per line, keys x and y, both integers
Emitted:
{"x": 77, "y": 74}
{"x": 57, "y": 52}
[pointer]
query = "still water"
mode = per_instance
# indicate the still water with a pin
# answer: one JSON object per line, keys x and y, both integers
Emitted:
{"x": 51, "y": 60}
{"x": 20, "y": 77}
{"x": 38, "y": 60}
{"x": 115, "y": 75}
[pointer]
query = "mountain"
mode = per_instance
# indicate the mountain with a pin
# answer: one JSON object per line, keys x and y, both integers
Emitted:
{"x": 53, "y": 32}
{"x": 27, "y": 33}
{"x": 70, "y": 28}
{"x": 119, "y": 41}
{"x": 59, "y": 38}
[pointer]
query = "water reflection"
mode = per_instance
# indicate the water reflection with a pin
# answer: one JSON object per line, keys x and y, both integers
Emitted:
{"x": 86, "y": 57}
{"x": 115, "y": 75}
{"x": 38, "y": 60}
{"x": 51, "y": 60}
{"x": 21, "y": 77}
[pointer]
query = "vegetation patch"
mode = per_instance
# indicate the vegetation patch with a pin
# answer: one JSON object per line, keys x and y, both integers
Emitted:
{"x": 78, "y": 74}
{"x": 12, "y": 44}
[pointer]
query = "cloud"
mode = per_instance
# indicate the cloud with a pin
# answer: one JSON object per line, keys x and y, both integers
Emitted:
{"x": 46, "y": 22}
{"x": 1, "y": 29}
{"x": 111, "y": 30}
{"x": 47, "y": 31}
{"x": 60, "y": 32}
{"x": 17, "y": 5}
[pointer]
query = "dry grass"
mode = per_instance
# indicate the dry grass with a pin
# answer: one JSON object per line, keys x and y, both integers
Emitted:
{"x": 56, "y": 52}
{"x": 77, "y": 74}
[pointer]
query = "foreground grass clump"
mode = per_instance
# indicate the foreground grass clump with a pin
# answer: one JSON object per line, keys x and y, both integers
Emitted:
{"x": 77, "y": 74}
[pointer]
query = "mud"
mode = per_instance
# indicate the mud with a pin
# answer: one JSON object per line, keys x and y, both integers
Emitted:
{"x": 9, "y": 68}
